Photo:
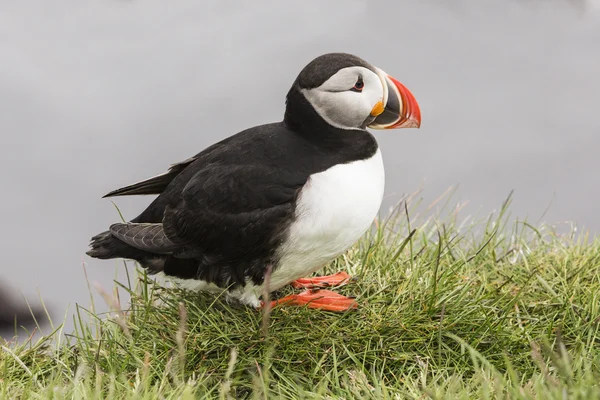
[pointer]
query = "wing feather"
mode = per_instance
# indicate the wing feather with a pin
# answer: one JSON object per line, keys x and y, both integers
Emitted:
{"x": 154, "y": 185}
{"x": 147, "y": 237}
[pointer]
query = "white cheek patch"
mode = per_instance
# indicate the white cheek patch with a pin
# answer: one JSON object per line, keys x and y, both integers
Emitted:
{"x": 341, "y": 107}
{"x": 335, "y": 112}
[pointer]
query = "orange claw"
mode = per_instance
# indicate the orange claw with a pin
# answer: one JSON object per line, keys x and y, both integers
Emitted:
{"x": 339, "y": 279}
{"x": 318, "y": 299}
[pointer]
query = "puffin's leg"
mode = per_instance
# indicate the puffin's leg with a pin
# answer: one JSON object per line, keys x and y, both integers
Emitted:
{"x": 319, "y": 299}
{"x": 339, "y": 279}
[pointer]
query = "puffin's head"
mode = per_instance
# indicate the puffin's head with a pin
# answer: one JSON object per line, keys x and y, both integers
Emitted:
{"x": 349, "y": 93}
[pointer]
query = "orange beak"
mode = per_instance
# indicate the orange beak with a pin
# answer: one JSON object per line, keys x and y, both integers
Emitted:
{"x": 401, "y": 109}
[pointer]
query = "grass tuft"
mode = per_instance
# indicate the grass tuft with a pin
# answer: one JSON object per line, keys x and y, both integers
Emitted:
{"x": 448, "y": 310}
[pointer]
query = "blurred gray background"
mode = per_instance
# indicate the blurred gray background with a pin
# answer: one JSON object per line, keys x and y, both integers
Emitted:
{"x": 97, "y": 94}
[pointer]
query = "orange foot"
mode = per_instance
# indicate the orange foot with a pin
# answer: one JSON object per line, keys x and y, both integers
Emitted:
{"x": 319, "y": 299}
{"x": 339, "y": 279}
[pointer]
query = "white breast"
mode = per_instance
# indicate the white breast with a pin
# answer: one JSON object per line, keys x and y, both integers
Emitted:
{"x": 334, "y": 210}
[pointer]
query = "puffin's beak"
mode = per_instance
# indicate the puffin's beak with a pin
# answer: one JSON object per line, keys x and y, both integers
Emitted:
{"x": 400, "y": 108}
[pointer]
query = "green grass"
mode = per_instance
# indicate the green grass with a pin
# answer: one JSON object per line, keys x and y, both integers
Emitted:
{"x": 482, "y": 310}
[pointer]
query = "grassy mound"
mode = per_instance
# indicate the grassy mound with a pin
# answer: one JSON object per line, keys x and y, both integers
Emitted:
{"x": 481, "y": 310}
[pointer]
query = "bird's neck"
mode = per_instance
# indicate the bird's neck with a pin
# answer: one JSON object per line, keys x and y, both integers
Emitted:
{"x": 301, "y": 118}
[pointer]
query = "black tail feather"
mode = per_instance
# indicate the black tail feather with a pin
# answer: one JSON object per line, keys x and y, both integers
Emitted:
{"x": 105, "y": 246}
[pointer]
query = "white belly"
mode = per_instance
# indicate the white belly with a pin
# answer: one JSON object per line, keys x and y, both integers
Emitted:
{"x": 335, "y": 208}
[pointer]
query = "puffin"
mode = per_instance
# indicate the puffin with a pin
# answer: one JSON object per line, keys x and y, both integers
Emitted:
{"x": 272, "y": 204}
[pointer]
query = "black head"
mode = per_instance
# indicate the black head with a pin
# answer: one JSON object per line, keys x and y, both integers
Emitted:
{"x": 343, "y": 91}
{"x": 324, "y": 67}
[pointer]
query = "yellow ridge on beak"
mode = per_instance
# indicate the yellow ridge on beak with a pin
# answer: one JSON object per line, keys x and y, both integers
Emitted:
{"x": 378, "y": 109}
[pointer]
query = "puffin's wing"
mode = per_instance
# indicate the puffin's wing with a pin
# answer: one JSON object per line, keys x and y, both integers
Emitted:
{"x": 154, "y": 185}
{"x": 147, "y": 237}
{"x": 233, "y": 212}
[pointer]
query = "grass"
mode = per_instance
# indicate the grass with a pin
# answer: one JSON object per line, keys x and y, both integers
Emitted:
{"x": 479, "y": 310}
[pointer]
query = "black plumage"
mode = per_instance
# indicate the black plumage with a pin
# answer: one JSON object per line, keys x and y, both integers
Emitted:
{"x": 221, "y": 215}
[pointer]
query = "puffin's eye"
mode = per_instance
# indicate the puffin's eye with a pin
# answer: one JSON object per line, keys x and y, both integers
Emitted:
{"x": 359, "y": 85}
